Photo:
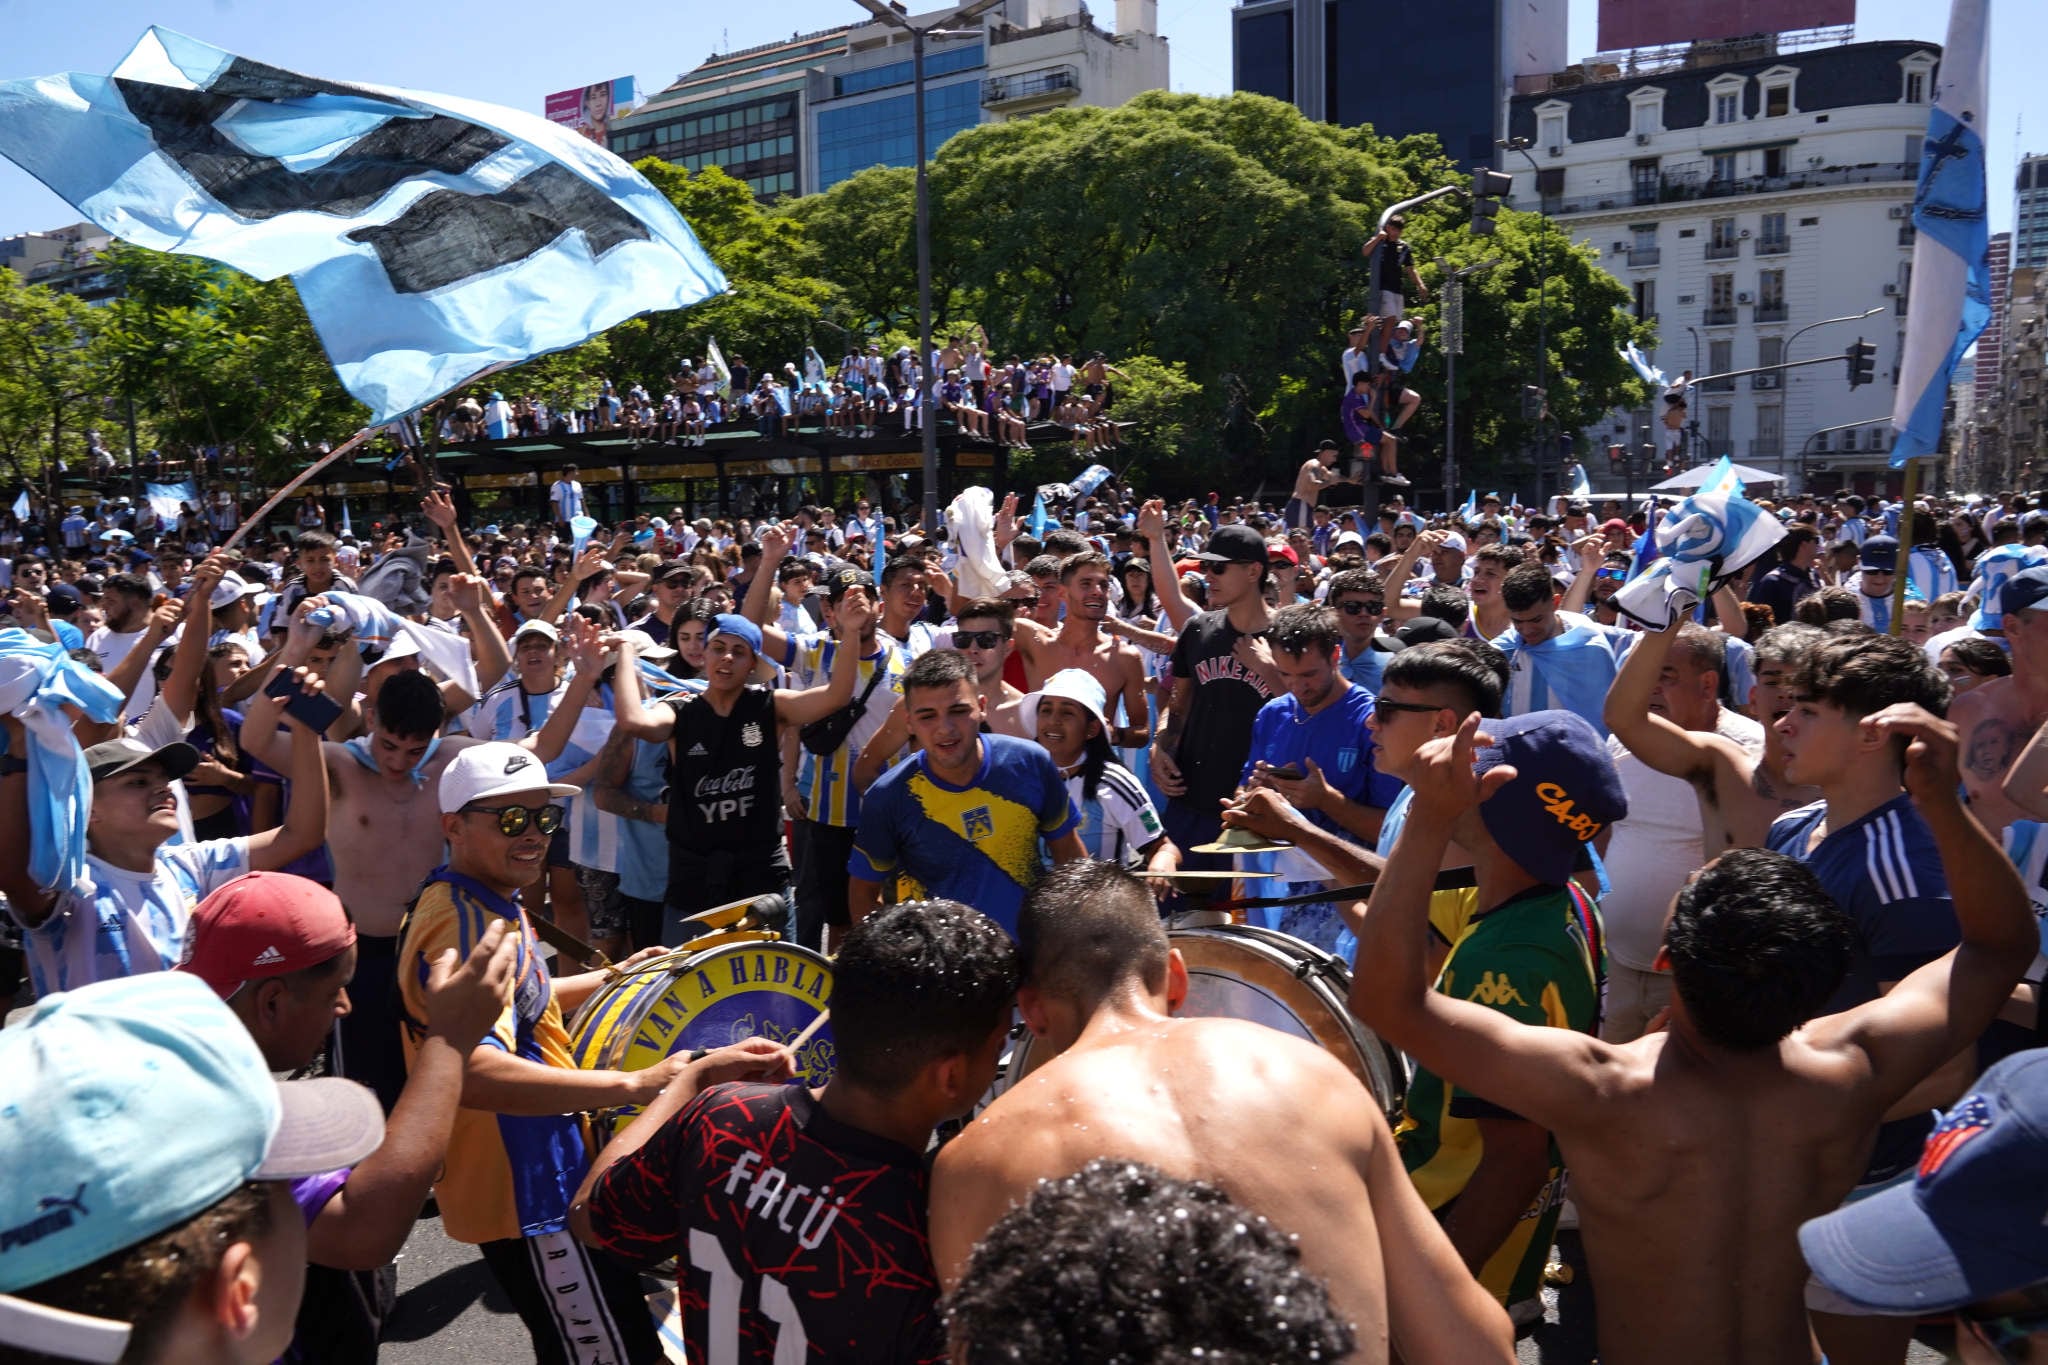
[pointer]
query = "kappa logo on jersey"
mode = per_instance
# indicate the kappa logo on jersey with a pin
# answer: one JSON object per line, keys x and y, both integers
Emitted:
{"x": 1960, "y": 1124}
{"x": 978, "y": 823}
{"x": 1347, "y": 758}
{"x": 1495, "y": 989}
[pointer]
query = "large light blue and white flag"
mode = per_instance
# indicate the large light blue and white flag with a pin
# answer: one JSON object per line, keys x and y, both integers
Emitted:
{"x": 22, "y": 509}
{"x": 432, "y": 238}
{"x": 718, "y": 363}
{"x": 347, "y": 527}
{"x": 1089, "y": 479}
{"x": 1699, "y": 544}
{"x": 168, "y": 500}
{"x": 1950, "y": 301}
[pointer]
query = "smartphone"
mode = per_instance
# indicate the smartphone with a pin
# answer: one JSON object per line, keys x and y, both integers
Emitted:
{"x": 315, "y": 712}
{"x": 1291, "y": 773}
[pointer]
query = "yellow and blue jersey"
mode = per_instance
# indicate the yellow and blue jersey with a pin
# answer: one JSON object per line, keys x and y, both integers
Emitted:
{"x": 506, "y": 1175}
{"x": 976, "y": 844}
{"x": 825, "y": 781}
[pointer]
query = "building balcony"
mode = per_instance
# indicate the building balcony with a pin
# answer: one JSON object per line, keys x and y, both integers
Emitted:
{"x": 1677, "y": 189}
{"x": 1771, "y": 312}
{"x": 1722, "y": 316}
{"x": 1042, "y": 88}
{"x": 1723, "y": 251}
{"x": 1899, "y": 305}
{"x": 1773, "y": 246}
{"x": 1645, "y": 255}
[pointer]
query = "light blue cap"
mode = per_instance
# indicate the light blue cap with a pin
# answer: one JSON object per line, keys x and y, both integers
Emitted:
{"x": 129, "y": 1106}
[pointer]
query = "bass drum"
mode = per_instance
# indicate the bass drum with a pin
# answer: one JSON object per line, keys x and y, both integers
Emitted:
{"x": 1242, "y": 972}
{"x": 705, "y": 997}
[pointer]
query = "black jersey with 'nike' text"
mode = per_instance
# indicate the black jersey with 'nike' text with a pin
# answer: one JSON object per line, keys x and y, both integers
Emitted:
{"x": 781, "y": 1220}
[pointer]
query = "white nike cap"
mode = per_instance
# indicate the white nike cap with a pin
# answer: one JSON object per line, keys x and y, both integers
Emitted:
{"x": 495, "y": 769}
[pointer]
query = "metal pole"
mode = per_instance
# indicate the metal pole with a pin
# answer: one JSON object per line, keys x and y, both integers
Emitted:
{"x": 1905, "y": 573}
{"x": 1450, "y": 422}
{"x": 1542, "y": 342}
{"x": 929, "y": 422}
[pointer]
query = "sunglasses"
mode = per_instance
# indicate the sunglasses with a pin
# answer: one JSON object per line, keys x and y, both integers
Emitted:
{"x": 978, "y": 639}
{"x": 1373, "y": 607}
{"x": 1616, "y": 574}
{"x": 1382, "y": 708}
{"x": 513, "y": 820}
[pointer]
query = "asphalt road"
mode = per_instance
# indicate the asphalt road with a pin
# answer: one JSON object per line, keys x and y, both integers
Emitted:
{"x": 449, "y": 1310}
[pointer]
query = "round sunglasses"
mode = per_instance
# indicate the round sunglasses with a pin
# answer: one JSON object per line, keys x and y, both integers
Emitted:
{"x": 513, "y": 820}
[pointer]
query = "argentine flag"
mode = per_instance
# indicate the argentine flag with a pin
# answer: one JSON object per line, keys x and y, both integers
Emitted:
{"x": 433, "y": 239}
{"x": 1950, "y": 302}
{"x": 1572, "y": 671}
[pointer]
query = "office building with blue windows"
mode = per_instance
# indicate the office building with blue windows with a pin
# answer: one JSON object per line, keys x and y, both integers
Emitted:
{"x": 803, "y": 114}
{"x": 1446, "y": 67}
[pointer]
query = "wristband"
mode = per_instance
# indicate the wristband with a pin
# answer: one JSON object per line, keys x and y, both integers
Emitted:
{"x": 699, "y": 1054}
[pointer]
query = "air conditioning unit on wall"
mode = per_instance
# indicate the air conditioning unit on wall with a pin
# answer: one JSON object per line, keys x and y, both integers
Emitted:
{"x": 1642, "y": 139}
{"x": 1743, "y": 297}
{"x": 1899, "y": 211}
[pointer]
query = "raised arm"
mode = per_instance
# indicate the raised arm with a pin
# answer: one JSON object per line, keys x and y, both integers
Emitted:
{"x": 439, "y": 508}
{"x": 1942, "y": 1007}
{"x": 305, "y": 815}
{"x": 586, "y": 649}
{"x": 801, "y": 707}
{"x": 1173, "y": 603}
{"x": 188, "y": 658}
{"x": 759, "y": 604}
{"x": 30, "y": 903}
{"x": 1590, "y": 551}
{"x": 486, "y": 642}
{"x": 1656, "y": 741}
{"x": 1549, "y": 1076}
{"x": 636, "y": 717}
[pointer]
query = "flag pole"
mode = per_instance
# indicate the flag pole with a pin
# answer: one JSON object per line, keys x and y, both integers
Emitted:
{"x": 1904, "y": 567}
{"x": 256, "y": 517}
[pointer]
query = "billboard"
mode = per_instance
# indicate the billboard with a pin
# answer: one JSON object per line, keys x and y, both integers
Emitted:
{"x": 1653, "y": 23}
{"x": 590, "y": 109}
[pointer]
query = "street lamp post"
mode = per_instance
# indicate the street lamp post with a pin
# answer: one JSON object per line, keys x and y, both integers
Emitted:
{"x": 1521, "y": 144}
{"x": 1786, "y": 354}
{"x": 919, "y": 33}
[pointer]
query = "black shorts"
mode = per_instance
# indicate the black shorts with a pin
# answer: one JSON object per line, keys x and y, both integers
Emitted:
{"x": 579, "y": 1305}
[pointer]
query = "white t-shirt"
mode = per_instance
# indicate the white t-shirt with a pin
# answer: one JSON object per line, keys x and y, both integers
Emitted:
{"x": 1657, "y": 847}
{"x": 112, "y": 647}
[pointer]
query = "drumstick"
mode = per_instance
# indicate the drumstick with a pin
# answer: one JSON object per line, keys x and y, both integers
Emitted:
{"x": 796, "y": 1044}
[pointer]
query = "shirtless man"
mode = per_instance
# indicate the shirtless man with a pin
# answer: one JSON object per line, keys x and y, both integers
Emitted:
{"x": 1740, "y": 793}
{"x": 1996, "y": 718}
{"x": 1079, "y": 642}
{"x": 1736, "y": 1097}
{"x": 384, "y": 831}
{"x": 1277, "y": 1123}
{"x": 982, "y": 633}
{"x": 1318, "y": 471}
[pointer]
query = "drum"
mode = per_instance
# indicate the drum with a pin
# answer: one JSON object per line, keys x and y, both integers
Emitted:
{"x": 704, "y": 997}
{"x": 1242, "y": 972}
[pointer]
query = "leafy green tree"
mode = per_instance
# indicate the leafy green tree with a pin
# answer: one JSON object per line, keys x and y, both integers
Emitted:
{"x": 50, "y": 376}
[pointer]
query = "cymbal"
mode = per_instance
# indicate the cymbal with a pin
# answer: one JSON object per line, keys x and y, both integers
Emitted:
{"x": 1234, "y": 840}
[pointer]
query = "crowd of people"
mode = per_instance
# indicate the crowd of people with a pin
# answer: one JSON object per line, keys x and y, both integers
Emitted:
{"x": 1719, "y": 943}
{"x": 991, "y": 399}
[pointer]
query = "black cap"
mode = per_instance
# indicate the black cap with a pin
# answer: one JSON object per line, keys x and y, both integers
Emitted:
{"x": 1234, "y": 545}
{"x": 840, "y": 582}
{"x": 64, "y": 600}
{"x": 1416, "y": 630}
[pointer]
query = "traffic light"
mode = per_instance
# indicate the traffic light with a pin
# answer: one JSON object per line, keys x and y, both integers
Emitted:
{"x": 1488, "y": 189}
{"x": 1862, "y": 358}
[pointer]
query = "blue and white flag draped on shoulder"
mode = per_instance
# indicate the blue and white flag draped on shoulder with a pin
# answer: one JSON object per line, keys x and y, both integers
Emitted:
{"x": 432, "y": 238}
{"x": 1950, "y": 299}
{"x": 37, "y": 681}
{"x": 1571, "y": 671}
{"x": 1701, "y": 543}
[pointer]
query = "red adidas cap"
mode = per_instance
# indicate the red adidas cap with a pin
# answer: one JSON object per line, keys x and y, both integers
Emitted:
{"x": 264, "y": 924}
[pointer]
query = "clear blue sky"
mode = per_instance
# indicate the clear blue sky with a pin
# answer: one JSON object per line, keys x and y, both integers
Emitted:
{"x": 488, "y": 52}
